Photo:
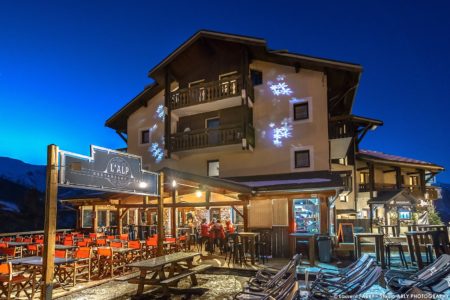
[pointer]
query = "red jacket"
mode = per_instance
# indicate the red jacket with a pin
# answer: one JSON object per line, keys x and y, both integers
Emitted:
{"x": 204, "y": 230}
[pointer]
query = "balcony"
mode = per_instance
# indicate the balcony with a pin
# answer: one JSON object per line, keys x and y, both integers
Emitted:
{"x": 365, "y": 187}
{"x": 204, "y": 93}
{"x": 212, "y": 137}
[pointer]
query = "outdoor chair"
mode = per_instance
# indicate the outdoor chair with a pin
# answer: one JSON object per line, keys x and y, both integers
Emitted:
{"x": 7, "y": 239}
{"x": 116, "y": 244}
{"x": 150, "y": 247}
{"x": 266, "y": 278}
{"x": 283, "y": 289}
{"x": 32, "y": 250}
{"x": 124, "y": 237}
{"x": 136, "y": 253}
{"x": 400, "y": 282}
{"x": 39, "y": 241}
{"x": 81, "y": 268}
{"x": 3, "y": 245}
{"x": 110, "y": 237}
{"x": 14, "y": 282}
{"x": 28, "y": 240}
{"x": 172, "y": 247}
{"x": 346, "y": 288}
{"x": 61, "y": 253}
{"x": 9, "y": 253}
{"x": 100, "y": 242}
{"x": 108, "y": 262}
{"x": 19, "y": 239}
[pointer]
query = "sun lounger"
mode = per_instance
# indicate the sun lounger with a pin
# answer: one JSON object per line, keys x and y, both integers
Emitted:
{"x": 426, "y": 278}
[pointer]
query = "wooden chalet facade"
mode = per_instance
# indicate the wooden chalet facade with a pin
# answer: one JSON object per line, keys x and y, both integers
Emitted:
{"x": 265, "y": 138}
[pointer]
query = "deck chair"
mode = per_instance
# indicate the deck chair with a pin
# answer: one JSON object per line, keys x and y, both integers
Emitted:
{"x": 400, "y": 282}
{"x": 14, "y": 283}
{"x": 354, "y": 287}
{"x": 266, "y": 279}
{"x": 283, "y": 289}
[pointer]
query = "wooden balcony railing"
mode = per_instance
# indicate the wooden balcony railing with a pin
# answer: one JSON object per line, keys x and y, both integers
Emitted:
{"x": 209, "y": 91}
{"x": 211, "y": 137}
{"x": 365, "y": 187}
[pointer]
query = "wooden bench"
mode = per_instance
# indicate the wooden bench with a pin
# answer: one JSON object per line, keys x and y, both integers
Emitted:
{"x": 173, "y": 280}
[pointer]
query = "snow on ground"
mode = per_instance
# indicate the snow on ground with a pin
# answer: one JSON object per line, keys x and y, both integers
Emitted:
{"x": 17, "y": 171}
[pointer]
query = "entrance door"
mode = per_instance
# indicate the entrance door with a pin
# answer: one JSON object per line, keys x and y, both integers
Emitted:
{"x": 212, "y": 126}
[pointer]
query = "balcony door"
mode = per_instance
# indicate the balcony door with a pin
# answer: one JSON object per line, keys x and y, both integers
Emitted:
{"x": 212, "y": 126}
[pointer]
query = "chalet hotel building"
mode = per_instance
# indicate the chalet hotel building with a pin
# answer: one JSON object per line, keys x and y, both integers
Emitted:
{"x": 265, "y": 138}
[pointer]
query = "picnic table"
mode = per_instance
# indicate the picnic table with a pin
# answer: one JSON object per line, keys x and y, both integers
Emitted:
{"x": 157, "y": 265}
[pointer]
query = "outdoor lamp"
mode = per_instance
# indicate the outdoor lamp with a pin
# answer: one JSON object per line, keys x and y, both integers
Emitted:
{"x": 143, "y": 184}
{"x": 174, "y": 183}
{"x": 198, "y": 193}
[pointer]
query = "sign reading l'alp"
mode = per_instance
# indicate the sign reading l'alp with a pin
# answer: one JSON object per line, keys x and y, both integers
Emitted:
{"x": 107, "y": 170}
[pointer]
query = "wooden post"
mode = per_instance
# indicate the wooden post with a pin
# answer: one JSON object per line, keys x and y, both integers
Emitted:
{"x": 51, "y": 196}
{"x": 207, "y": 198}
{"x": 94, "y": 218}
{"x": 160, "y": 215}
{"x": 398, "y": 178}
{"x": 370, "y": 216}
{"x": 119, "y": 221}
{"x": 78, "y": 223}
{"x": 422, "y": 182}
{"x": 245, "y": 210}
{"x": 174, "y": 213}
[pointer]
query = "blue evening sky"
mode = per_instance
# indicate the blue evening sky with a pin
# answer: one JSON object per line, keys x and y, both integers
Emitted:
{"x": 66, "y": 66}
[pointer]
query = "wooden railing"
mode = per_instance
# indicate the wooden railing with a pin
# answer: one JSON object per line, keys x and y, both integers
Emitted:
{"x": 209, "y": 91}
{"x": 365, "y": 187}
{"x": 26, "y": 233}
{"x": 210, "y": 137}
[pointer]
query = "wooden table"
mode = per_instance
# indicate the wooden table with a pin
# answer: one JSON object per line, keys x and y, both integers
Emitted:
{"x": 35, "y": 264}
{"x": 250, "y": 238}
{"x": 416, "y": 238}
{"x": 310, "y": 237}
{"x": 379, "y": 245}
{"x": 156, "y": 266}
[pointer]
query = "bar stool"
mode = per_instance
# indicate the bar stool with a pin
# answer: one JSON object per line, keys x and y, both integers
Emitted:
{"x": 262, "y": 245}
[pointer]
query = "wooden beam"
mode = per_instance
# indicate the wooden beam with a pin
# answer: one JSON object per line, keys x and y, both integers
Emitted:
{"x": 159, "y": 250}
{"x": 363, "y": 169}
{"x": 94, "y": 219}
{"x": 371, "y": 179}
{"x": 207, "y": 198}
{"x": 125, "y": 211}
{"x": 51, "y": 198}
{"x": 398, "y": 178}
{"x": 245, "y": 210}
{"x": 119, "y": 220}
{"x": 122, "y": 136}
{"x": 173, "y": 215}
{"x": 422, "y": 182}
{"x": 237, "y": 211}
{"x": 388, "y": 171}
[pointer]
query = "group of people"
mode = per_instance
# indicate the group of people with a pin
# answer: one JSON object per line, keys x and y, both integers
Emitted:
{"x": 214, "y": 234}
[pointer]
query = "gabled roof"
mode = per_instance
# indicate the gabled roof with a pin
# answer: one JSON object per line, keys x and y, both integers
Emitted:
{"x": 360, "y": 120}
{"x": 380, "y": 157}
{"x": 343, "y": 77}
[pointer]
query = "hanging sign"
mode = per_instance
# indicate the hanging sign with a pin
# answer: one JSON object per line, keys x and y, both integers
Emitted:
{"x": 107, "y": 170}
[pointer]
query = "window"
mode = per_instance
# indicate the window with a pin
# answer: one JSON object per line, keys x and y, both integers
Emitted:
{"x": 87, "y": 218}
{"x": 145, "y": 136}
{"x": 307, "y": 215}
{"x": 363, "y": 177}
{"x": 213, "y": 168}
{"x": 101, "y": 218}
{"x": 302, "y": 159}
{"x": 414, "y": 180}
{"x": 301, "y": 111}
{"x": 257, "y": 77}
{"x": 112, "y": 218}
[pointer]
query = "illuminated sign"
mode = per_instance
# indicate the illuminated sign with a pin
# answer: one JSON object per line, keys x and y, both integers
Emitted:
{"x": 107, "y": 170}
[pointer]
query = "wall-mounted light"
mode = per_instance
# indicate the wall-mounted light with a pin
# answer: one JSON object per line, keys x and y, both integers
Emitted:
{"x": 198, "y": 193}
{"x": 174, "y": 183}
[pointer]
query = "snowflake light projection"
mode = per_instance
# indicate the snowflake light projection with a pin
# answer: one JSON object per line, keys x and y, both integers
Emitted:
{"x": 160, "y": 113}
{"x": 157, "y": 152}
{"x": 281, "y": 88}
{"x": 284, "y": 131}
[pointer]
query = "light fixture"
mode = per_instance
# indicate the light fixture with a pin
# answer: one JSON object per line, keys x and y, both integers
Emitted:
{"x": 143, "y": 184}
{"x": 174, "y": 183}
{"x": 198, "y": 193}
